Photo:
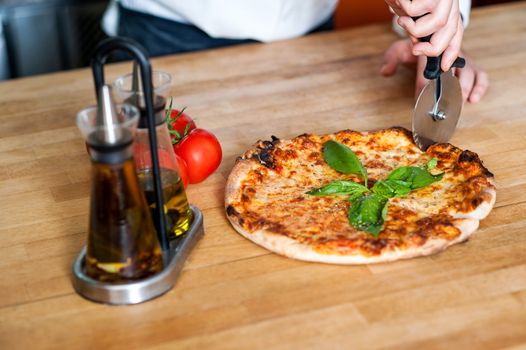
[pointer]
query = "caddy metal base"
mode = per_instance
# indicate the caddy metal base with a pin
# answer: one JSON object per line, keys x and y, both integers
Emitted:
{"x": 142, "y": 290}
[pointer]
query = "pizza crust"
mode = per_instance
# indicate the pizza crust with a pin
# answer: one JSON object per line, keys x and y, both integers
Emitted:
{"x": 233, "y": 184}
{"x": 483, "y": 209}
{"x": 293, "y": 249}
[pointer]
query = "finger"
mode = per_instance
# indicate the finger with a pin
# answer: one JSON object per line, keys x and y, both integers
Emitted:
{"x": 466, "y": 78}
{"x": 421, "y": 81}
{"x": 417, "y": 8}
{"x": 453, "y": 50}
{"x": 430, "y": 23}
{"x": 398, "y": 53}
{"x": 397, "y": 10}
{"x": 439, "y": 41}
{"x": 480, "y": 88}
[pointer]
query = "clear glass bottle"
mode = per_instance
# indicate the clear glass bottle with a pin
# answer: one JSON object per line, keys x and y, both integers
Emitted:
{"x": 176, "y": 208}
{"x": 122, "y": 241}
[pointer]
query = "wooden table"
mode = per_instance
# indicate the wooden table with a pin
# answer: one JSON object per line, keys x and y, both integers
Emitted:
{"x": 232, "y": 293}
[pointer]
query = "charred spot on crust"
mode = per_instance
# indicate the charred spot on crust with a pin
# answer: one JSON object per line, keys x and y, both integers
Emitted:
{"x": 231, "y": 211}
{"x": 475, "y": 202}
{"x": 468, "y": 156}
{"x": 264, "y": 152}
{"x": 486, "y": 171}
{"x": 472, "y": 157}
{"x": 265, "y": 158}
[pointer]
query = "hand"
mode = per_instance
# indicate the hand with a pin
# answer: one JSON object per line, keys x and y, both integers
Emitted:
{"x": 442, "y": 19}
{"x": 473, "y": 80}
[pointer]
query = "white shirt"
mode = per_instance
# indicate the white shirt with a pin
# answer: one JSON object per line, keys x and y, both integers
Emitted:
{"x": 262, "y": 20}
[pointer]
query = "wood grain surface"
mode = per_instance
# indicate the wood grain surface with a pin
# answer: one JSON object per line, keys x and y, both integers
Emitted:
{"x": 232, "y": 293}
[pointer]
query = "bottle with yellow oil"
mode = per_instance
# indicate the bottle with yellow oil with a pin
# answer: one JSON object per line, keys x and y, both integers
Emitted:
{"x": 176, "y": 208}
{"x": 122, "y": 241}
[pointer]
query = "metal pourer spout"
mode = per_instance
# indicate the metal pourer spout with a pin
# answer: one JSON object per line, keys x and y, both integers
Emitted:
{"x": 108, "y": 118}
{"x": 137, "y": 95}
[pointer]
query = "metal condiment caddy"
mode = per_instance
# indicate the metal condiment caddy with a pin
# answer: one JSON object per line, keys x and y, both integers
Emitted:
{"x": 174, "y": 252}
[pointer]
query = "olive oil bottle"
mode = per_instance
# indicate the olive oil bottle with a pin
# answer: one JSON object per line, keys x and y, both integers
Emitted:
{"x": 176, "y": 208}
{"x": 122, "y": 241}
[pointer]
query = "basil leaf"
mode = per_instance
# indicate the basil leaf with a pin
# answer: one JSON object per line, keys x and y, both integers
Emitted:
{"x": 416, "y": 176}
{"x": 391, "y": 188}
{"x": 432, "y": 164}
{"x": 341, "y": 158}
{"x": 339, "y": 187}
{"x": 368, "y": 213}
{"x": 403, "y": 174}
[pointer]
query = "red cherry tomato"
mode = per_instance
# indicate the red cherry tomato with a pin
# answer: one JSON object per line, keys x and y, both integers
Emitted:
{"x": 179, "y": 122}
{"x": 202, "y": 153}
{"x": 183, "y": 171}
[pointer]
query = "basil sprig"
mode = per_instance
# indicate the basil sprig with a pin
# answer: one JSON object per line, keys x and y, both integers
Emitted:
{"x": 369, "y": 207}
{"x": 342, "y": 159}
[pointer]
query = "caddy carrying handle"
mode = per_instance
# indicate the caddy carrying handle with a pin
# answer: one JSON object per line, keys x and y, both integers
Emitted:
{"x": 140, "y": 56}
{"x": 432, "y": 69}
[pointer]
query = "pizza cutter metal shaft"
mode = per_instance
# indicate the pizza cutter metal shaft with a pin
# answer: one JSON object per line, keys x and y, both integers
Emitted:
{"x": 435, "y": 113}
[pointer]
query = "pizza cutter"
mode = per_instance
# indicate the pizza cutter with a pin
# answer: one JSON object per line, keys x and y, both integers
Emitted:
{"x": 437, "y": 109}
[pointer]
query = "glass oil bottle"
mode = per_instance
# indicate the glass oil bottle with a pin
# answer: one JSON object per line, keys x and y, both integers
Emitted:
{"x": 176, "y": 208}
{"x": 122, "y": 241}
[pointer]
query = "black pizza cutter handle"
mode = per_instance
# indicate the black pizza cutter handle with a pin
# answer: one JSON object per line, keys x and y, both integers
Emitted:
{"x": 432, "y": 69}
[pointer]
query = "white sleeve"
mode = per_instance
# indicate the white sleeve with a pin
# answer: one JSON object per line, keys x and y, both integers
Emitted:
{"x": 110, "y": 19}
{"x": 465, "y": 10}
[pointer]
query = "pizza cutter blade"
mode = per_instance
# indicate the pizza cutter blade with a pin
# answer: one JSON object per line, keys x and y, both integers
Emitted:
{"x": 437, "y": 111}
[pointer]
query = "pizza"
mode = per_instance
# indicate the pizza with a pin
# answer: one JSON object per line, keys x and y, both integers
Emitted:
{"x": 267, "y": 198}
